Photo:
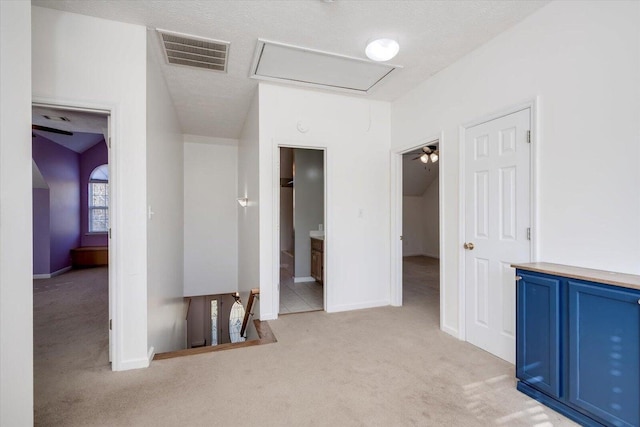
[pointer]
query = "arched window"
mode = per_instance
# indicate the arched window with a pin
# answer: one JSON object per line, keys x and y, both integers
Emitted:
{"x": 99, "y": 200}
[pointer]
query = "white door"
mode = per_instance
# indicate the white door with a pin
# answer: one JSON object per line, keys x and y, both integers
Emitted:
{"x": 497, "y": 221}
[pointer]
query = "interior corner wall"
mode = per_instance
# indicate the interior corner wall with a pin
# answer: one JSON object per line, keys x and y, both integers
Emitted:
{"x": 41, "y": 234}
{"x": 81, "y": 61}
{"x": 581, "y": 59}
{"x": 356, "y": 134}
{"x": 60, "y": 168}
{"x": 430, "y": 201}
{"x": 89, "y": 160}
{"x": 210, "y": 215}
{"x": 309, "y": 205}
{"x": 16, "y": 286}
{"x": 249, "y": 239}
{"x": 165, "y": 195}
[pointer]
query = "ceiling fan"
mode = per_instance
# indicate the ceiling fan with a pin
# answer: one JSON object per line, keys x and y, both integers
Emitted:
{"x": 429, "y": 152}
{"x": 48, "y": 129}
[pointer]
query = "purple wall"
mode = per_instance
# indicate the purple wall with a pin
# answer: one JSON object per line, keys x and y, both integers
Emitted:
{"x": 60, "y": 168}
{"x": 89, "y": 160}
{"x": 41, "y": 245}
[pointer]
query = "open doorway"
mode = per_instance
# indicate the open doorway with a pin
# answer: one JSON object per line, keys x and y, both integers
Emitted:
{"x": 420, "y": 225}
{"x": 302, "y": 243}
{"x": 71, "y": 205}
{"x": 416, "y": 227}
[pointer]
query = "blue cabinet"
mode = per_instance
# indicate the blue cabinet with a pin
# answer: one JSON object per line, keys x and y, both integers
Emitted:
{"x": 578, "y": 347}
{"x": 604, "y": 356}
{"x": 538, "y": 329}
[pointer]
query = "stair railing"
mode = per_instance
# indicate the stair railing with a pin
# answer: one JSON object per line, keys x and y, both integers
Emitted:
{"x": 248, "y": 312}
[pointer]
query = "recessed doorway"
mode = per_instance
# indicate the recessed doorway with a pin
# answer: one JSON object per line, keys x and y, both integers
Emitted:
{"x": 71, "y": 206}
{"x": 420, "y": 225}
{"x": 302, "y": 236}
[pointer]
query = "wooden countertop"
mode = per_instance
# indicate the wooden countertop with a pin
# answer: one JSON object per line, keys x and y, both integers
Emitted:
{"x": 631, "y": 281}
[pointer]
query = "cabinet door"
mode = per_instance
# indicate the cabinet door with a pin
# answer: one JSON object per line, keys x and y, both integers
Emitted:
{"x": 538, "y": 332}
{"x": 314, "y": 264}
{"x": 604, "y": 357}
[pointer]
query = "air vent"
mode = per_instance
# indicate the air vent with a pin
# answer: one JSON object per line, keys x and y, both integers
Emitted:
{"x": 192, "y": 51}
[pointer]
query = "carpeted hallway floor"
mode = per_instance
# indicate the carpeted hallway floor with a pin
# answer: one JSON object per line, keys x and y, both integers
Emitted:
{"x": 387, "y": 366}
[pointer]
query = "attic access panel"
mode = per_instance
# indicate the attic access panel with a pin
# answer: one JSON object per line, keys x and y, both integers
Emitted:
{"x": 300, "y": 66}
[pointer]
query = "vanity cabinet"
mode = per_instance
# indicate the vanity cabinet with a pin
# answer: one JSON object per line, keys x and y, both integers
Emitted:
{"x": 317, "y": 259}
{"x": 578, "y": 342}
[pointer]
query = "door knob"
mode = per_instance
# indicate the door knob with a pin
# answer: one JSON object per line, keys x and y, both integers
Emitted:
{"x": 469, "y": 246}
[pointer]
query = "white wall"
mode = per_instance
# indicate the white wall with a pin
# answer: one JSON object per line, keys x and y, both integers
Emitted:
{"x": 420, "y": 233}
{"x": 249, "y": 241}
{"x": 210, "y": 215}
{"x": 430, "y": 230}
{"x": 309, "y": 205}
{"x": 80, "y": 60}
{"x": 165, "y": 251}
{"x": 582, "y": 59}
{"x": 412, "y": 226}
{"x": 355, "y": 132}
{"x": 16, "y": 287}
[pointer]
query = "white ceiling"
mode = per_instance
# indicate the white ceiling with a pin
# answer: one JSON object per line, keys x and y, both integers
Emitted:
{"x": 432, "y": 35}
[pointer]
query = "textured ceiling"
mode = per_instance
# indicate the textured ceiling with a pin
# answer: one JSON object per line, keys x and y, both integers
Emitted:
{"x": 432, "y": 35}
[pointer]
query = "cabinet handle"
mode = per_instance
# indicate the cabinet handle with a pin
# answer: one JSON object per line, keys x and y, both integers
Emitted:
{"x": 520, "y": 278}
{"x": 639, "y": 301}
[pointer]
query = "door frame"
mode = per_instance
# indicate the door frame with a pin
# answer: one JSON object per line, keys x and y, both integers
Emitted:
{"x": 396, "y": 218}
{"x": 275, "y": 263}
{"x": 532, "y": 106}
{"x": 115, "y": 291}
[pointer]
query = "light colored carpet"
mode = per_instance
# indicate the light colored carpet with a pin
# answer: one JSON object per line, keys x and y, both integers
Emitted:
{"x": 387, "y": 366}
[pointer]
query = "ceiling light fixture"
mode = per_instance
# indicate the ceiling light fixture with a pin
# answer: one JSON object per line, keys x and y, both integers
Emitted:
{"x": 382, "y": 49}
{"x": 426, "y": 153}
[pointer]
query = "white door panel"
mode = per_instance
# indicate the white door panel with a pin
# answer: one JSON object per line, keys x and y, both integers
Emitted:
{"x": 497, "y": 218}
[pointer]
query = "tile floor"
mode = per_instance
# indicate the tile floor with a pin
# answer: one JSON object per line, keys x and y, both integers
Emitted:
{"x": 299, "y": 297}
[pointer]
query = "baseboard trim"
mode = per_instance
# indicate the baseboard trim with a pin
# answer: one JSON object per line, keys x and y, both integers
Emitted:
{"x": 421, "y": 254}
{"x": 451, "y": 331}
{"x": 408, "y": 254}
{"x": 358, "y": 306}
{"x": 436, "y": 256}
{"x": 303, "y": 279}
{"x": 51, "y": 275}
{"x": 268, "y": 316}
{"x": 128, "y": 365}
{"x": 151, "y": 354}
